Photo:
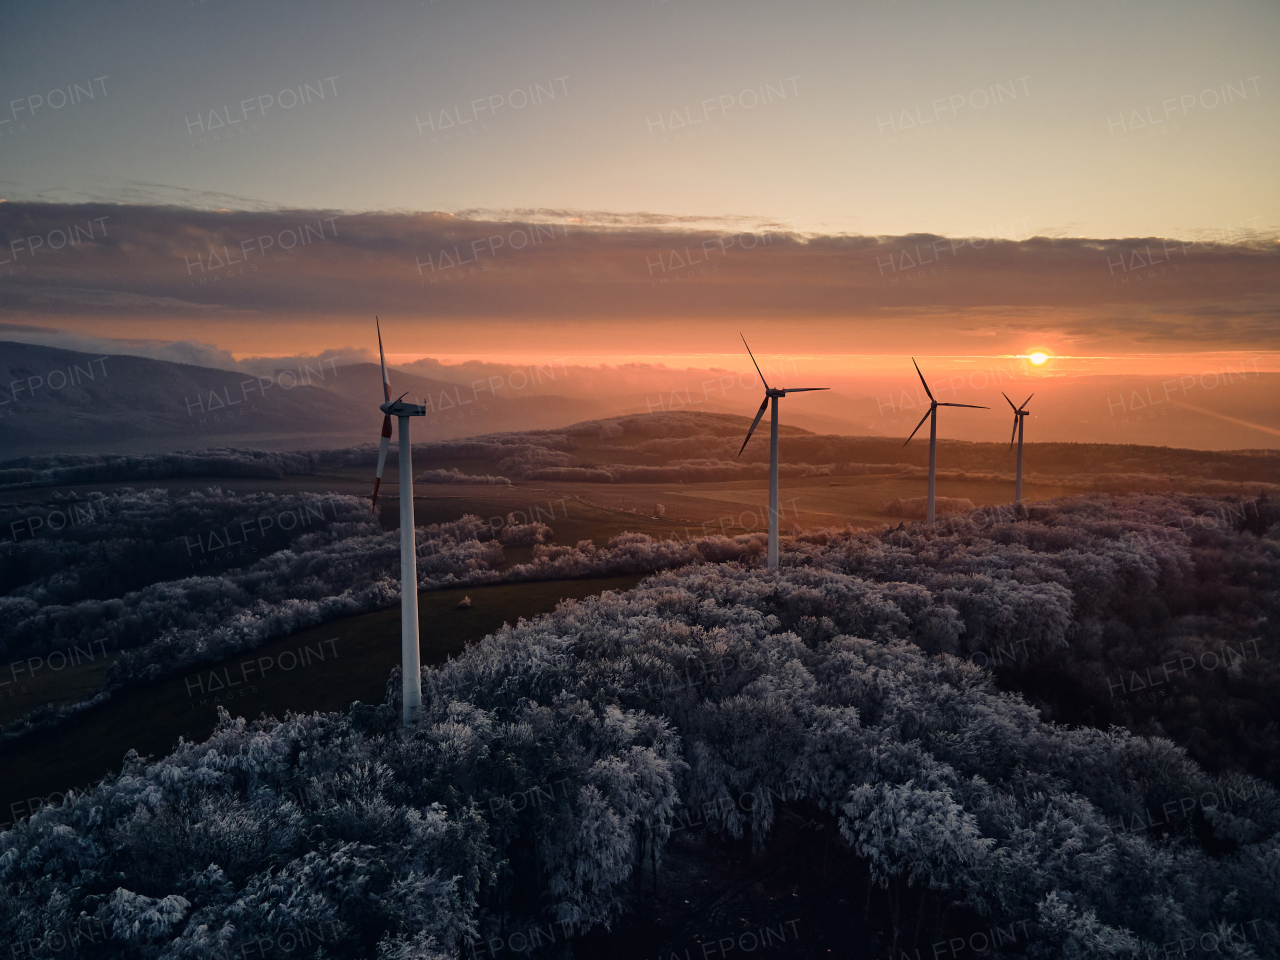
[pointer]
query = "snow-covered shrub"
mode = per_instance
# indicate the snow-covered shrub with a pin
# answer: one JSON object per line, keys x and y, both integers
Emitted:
{"x": 917, "y": 508}
{"x": 454, "y": 475}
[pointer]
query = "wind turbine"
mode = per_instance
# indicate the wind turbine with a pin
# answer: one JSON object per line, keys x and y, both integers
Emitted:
{"x": 932, "y": 417}
{"x": 1018, "y": 414}
{"x": 410, "y": 658}
{"x": 771, "y": 394}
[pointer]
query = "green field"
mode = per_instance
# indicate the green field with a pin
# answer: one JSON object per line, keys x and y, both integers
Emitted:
{"x": 288, "y": 674}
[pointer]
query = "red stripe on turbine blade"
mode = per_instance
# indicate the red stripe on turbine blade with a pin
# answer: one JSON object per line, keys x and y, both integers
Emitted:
{"x": 382, "y": 356}
{"x": 383, "y": 447}
{"x": 386, "y": 383}
{"x": 376, "y": 484}
{"x": 754, "y": 424}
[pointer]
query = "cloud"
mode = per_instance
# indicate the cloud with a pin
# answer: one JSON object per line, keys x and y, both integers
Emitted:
{"x": 89, "y": 297}
{"x": 175, "y": 351}
{"x": 142, "y": 192}
{"x": 585, "y": 271}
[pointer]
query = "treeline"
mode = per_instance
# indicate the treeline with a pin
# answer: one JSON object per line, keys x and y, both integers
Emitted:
{"x": 69, "y": 468}
{"x": 701, "y": 447}
{"x": 692, "y": 447}
{"x": 68, "y": 549}
{"x": 831, "y": 688}
{"x": 455, "y": 475}
{"x": 680, "y": 435}
{"x": 686, "y": 471}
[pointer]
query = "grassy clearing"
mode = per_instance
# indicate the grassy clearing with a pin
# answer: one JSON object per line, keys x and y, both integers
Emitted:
{"x": 63, "y": 676}
{"x": 739, "y": 506}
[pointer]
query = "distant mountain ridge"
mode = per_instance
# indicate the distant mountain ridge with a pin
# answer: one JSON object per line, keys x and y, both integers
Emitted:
{"x": 54, "y": 400}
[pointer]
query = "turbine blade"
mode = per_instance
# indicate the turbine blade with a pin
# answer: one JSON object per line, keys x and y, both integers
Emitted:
{"x": 921, "y": 376}
{"x": 971, "y": 406}
{"x": 1015, "y": 430}
{"x": 918, "y": 426}
{"x": 1008, "y": 401}
{"x": 382, "y": 457}
{"x": 386, "y": 384}
{"x": 753, "y": 360}
{"x": 1026, "y": 401}
{"x": 754, "y": 423}
{"x": 804, "y": 389}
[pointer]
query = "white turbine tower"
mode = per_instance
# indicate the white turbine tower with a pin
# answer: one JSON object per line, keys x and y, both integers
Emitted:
{"x": 932, "y": 417}
{"x": 410, "y": 658}
{"x": 771, "y": 394}
{"x": 1018, "y": 414}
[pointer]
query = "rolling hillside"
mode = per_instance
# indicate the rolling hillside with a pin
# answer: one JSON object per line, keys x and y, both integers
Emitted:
{"x": 54, "y": 400}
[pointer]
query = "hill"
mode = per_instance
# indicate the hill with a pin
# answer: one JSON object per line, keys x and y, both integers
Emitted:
{"x": 55, "y": 400}
{"x": 691, "y": 446}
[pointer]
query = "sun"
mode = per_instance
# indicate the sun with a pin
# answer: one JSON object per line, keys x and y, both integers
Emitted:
{"x": 1038, "y": 358}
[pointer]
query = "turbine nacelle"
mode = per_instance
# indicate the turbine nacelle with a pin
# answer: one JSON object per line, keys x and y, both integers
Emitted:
{"x": 770, "y": 393}
{"x": 782, "y": 392}
{"x": 398, "y": 408}
{"x": 1018, "y": 413}
{"x": 1020, "y": 410}
{"x": 934, "y": 405}
{"x": 932, "y": 416}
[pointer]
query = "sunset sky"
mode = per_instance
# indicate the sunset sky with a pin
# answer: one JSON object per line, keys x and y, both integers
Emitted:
{"x": 846, "y": 182}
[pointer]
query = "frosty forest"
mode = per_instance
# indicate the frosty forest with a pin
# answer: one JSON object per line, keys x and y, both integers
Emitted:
{"x": 1050, "y": 734}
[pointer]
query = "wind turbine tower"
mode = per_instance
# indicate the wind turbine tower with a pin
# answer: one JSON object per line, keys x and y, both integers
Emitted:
{"x": 1018, "y": 414}
{"x": 932, "y": 417}
{"x": 410, "y": 658}
{"x": 771, "y": 395}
